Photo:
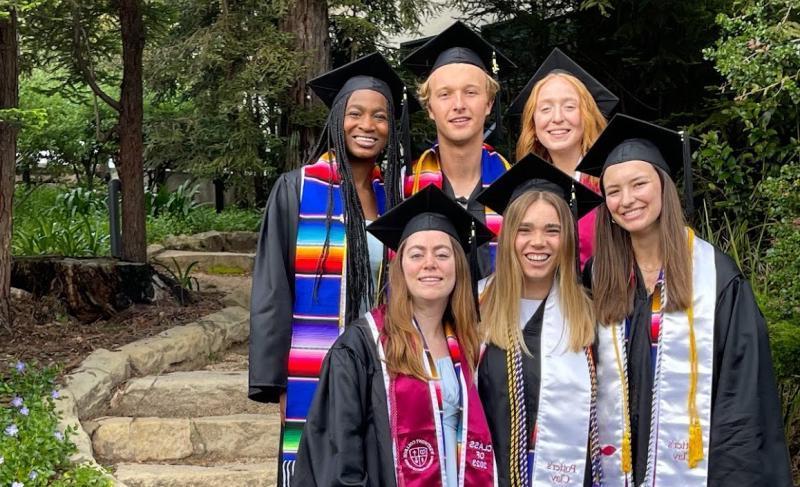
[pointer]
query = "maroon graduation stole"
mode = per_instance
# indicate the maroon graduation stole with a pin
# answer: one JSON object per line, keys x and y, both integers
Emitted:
{"x": 416, "y": 427}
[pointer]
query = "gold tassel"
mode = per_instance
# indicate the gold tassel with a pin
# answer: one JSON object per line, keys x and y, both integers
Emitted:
{"x": 695, "y": 444}
{"x": 627, "y": 462}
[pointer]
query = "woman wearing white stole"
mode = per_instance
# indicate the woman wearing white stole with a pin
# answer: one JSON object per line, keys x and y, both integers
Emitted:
{"x": 687, "y": 395}
{"x": 536, "y": 378}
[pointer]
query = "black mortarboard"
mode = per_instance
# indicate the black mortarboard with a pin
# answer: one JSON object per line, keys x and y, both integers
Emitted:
{"x": 456, "y": 44}
{"x": 532, "y": 173}
{"x": 371, "y": 72}
{"x": 557, "y": 61}
{"x": 429, "y": 209}
{"x": 630, "y": 139}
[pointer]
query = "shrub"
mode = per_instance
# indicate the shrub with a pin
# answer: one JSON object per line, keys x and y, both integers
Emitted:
{"x": 202, "y": 219}
{"x": 81, "y": 201}
{"x": 33, "y": 451}
{"x": 179, "y": 202}
{"x": 61, "y": 234}
{"x": 782, "y": 194}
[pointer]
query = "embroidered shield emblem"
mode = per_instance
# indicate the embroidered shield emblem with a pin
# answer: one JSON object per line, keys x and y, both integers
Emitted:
{"x": 418, "y": 455}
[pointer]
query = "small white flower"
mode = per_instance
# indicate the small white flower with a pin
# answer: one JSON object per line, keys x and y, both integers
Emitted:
{"x": 17, "y": 484}
{"x": 24, "y": 411}
{"x": 16, "y": 401}
{"x": 12, "y": 430}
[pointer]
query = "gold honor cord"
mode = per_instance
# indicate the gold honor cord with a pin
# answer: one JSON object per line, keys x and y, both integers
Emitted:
{"x": 695, "y": 454}
{"x": 627, "y": 462}
{"x": 695, "y": 432}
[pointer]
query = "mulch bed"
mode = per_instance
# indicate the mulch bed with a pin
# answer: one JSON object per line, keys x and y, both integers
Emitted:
{"x": 44, "y": 333}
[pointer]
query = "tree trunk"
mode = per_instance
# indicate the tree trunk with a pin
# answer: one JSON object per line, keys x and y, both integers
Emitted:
{"x": 308, "y": 21}
{"x": 9, "y": 98}
{"x": 131, "y": 147}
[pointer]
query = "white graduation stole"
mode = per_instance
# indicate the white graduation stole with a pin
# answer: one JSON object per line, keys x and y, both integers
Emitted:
{"x": 565, "y": 395}
{"x": 667, "y": 459}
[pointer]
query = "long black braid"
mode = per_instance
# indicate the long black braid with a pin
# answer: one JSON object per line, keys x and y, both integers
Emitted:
{"x": 360, "y": 287}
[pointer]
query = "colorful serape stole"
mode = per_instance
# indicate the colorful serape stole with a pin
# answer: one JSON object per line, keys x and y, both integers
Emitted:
{"x": 320, "y": 284}
{"x": 427, "y": 170}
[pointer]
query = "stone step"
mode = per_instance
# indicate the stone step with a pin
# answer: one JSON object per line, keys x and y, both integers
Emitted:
{"x": 213, "y": 262}
{"x": 256, "y": 475}
{"x": 187, "y": 395}
{"x": 210, "y": 440}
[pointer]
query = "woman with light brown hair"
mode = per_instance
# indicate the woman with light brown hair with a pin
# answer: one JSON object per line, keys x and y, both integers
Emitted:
{"x": 539, "y": 329}
{"x": 687, "y": 394}
{"x": 396, "y": 403}
{"x": 563, "y": 109}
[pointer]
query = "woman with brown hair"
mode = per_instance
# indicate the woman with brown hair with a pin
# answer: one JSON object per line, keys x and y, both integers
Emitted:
{"x": 687, "y": 392}
{"x": 396, "y": 402}
{"x": 539, "y": 329}
{"x": 563, "y": 110}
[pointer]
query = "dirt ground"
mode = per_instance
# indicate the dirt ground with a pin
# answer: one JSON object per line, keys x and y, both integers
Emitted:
{"x": 45, "y": 334}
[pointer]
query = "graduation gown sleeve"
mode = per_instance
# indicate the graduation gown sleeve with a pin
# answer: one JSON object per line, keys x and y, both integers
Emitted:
{"x": 747, "y": 444}
{"x": 346, "y": 440}
{"x": 272, "y": 295}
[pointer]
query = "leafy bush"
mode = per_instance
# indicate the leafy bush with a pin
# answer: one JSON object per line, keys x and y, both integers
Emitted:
{"x": 203, "y": 219}
{"x": 58, "y": 234}
{"x": 179, "y": 202}
{"x": 782, "y": 194}
{"x": 81, "y": 201}
{"x": 33, "y": 451}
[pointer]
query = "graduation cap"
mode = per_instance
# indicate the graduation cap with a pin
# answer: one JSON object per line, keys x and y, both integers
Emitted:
{"x": 458, "y": 44}
{"x": 630, "y": 139}
{"x": 371, "y": 72}
{"x": 558, "y": 62}
{"x": 429, "y": 209}
{"x": 532, "y": 173}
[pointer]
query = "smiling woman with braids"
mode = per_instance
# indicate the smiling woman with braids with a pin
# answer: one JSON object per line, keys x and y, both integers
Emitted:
{"x": 316, "y": 269}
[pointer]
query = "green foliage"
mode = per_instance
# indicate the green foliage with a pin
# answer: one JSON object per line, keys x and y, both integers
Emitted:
{"x": 782, "y": 194}
{"x": 217, "y": 79}
{"x": 50, "y": 220}
{"x": 76, "y": 136}
{"x": 203, "y": 219}
{"x": 33, "y": 451}
{"x": 57, "y": 234}
{"x": 81, "y": 201}
{"x": 754, "y": 129}
{"x": 184, "y": 279}
{"x": 177, "y": 203}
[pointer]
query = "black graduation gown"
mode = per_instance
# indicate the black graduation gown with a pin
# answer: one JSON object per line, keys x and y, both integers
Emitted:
{"x": 272, "y": 296}
{"x": 493, "y": 389}
{"x": 346, "y": 439}
{"x": 747, "y": 444}
{"x": 484, "y": 259}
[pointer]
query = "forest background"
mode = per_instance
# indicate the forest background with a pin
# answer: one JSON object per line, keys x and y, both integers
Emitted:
{"x": 216, "y": 89}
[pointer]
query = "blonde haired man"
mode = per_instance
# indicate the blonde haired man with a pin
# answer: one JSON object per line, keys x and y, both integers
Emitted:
{"x": 459, "y": 93}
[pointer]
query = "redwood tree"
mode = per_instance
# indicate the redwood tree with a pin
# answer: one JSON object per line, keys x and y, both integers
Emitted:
{"x": 131, "y": 147}
{"x": 8, "y": 153}
{"x": 308, "y": 21}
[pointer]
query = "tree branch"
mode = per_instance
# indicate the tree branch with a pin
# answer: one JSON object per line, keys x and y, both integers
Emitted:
{"x": 83, "y": 64}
